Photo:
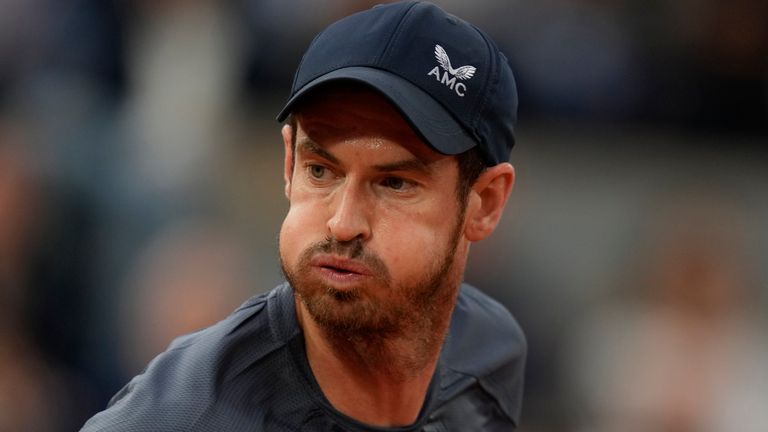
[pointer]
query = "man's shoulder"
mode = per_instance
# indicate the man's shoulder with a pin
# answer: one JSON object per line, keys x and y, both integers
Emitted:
{"x": 184, "y": 383}
{"x": 486, "y": 346}
{"x": 483, "y": 334}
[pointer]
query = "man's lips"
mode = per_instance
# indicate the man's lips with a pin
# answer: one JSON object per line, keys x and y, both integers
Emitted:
{"x": 340, "y": 265}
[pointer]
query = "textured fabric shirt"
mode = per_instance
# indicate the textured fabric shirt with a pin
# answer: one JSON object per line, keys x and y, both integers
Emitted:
{"x": 250, "y": 372}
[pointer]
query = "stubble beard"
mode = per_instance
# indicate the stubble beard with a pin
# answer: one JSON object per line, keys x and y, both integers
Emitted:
{"x": 398, "y": 337}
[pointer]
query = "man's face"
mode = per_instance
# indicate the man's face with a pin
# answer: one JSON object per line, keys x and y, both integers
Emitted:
{"x": 373, "y": 240}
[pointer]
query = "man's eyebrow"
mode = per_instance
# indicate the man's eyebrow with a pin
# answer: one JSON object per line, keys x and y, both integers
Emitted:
{"x": 310, "y": 146}
{"x": 412, "y": 164}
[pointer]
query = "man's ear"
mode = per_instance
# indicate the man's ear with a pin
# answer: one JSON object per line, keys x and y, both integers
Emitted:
{"x": 487, "y": 199}
{"x": 287, "y": 132}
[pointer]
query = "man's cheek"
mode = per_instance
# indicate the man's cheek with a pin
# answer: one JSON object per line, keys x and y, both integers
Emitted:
{"x": 299, "y": 226}
{"x": 288, "y": 238}
{"x": 402, "y": 250}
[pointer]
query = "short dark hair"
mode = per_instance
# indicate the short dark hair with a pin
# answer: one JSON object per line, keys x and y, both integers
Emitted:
{"x": 471, "y": 165}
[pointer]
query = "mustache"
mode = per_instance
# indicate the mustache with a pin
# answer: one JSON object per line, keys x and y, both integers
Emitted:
{"x": 352, "y": 249}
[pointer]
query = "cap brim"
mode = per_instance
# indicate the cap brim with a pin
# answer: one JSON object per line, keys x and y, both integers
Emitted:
{"x": 436, "y": 125}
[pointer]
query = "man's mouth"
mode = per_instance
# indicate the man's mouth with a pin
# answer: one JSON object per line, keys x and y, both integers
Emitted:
{"x": 340, "y": 266}
{"x": 338, "y": 270}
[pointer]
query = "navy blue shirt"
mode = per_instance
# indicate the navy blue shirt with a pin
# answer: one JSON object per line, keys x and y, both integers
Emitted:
{"x": 250, "y": 372}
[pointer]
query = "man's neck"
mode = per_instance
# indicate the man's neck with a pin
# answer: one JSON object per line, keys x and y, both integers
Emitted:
{"x": 381, "y": 382}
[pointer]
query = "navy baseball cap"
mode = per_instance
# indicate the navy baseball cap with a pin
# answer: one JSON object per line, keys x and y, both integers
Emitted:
{"x": 447, "y": 78}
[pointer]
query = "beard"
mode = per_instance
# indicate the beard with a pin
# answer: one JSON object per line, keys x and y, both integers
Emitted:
{"x": 416, "y": 308}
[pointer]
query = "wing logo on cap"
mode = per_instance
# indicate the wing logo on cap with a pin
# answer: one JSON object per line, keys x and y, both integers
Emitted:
{"x": 450, "y": 75}
{"x": 463, "y": 73}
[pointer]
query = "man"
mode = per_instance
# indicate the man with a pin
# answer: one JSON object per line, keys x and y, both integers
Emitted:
{"x": 395, "y": 161}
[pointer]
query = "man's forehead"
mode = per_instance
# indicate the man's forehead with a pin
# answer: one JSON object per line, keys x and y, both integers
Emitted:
{"x": 381, "y": 150}
{"x": 358, "y": 113}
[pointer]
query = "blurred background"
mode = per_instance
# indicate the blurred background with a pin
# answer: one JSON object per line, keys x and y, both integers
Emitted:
{"x": 141, "y": 196}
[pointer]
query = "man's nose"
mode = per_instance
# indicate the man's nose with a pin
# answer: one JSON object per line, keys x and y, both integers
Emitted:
{"x": 350, "y": 218}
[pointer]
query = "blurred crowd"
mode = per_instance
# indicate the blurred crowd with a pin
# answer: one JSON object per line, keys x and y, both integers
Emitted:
{"x": 141, "y": 196}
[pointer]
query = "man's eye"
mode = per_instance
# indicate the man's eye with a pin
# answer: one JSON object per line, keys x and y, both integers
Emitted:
{"x": 317, "y": 171}
{"x": 395, "y": 183}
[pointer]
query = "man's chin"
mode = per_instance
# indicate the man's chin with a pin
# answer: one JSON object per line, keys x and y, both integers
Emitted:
{"x": 343, "y": 296}
{"x": 345, "y": 312}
